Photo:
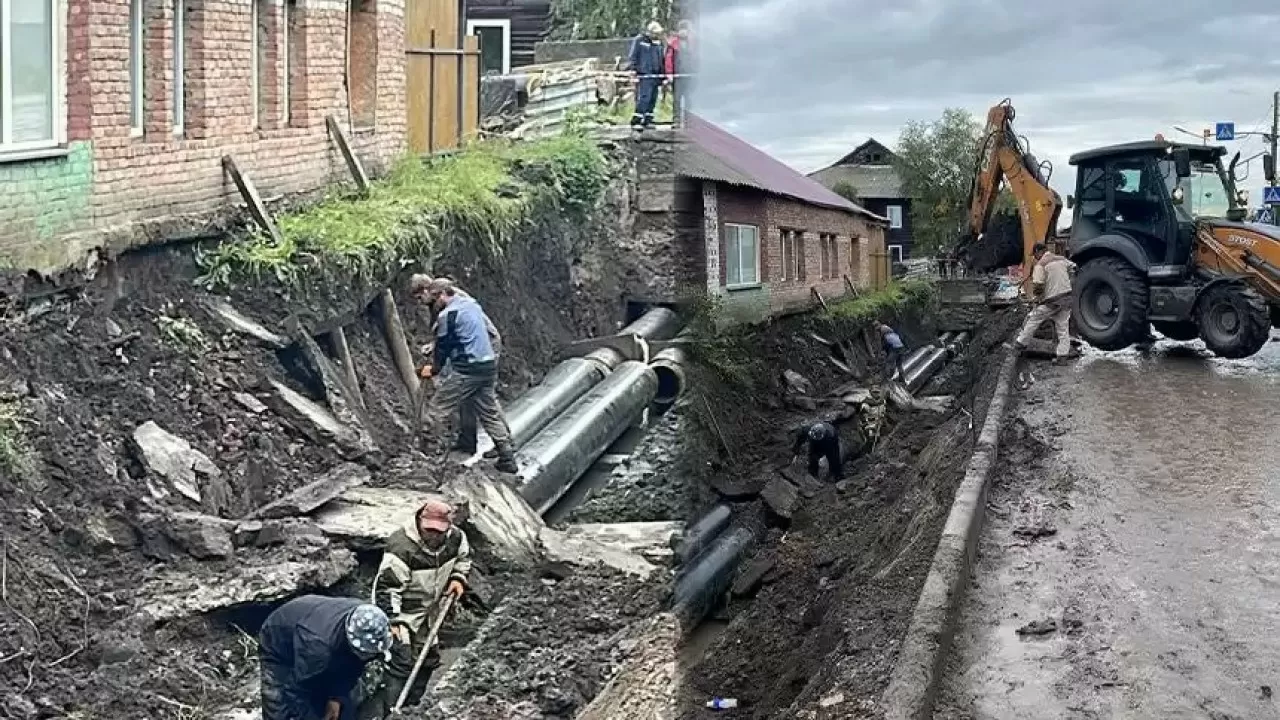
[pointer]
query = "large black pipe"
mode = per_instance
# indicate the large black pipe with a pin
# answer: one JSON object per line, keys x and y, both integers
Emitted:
{"x": 936, "y": 358}
{"x": 701, "y": 584}
{"x": 558, "y": 455}
{"x": 699, "y": 536}
{"x": 569, "y": 380}
{"x": 669, "y": 365}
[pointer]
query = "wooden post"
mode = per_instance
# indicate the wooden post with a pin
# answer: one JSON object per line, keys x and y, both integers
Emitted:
{"x": 338, "y": 338}
{"x": 393, "y": 331}
{"x": 248, "y": 191}
{"x": 353, "y": 163}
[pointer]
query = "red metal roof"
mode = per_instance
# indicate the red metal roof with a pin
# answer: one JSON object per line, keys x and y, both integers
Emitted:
{"x": 720, "y": 156}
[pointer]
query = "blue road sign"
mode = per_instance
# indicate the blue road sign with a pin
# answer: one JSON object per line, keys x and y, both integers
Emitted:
{"x": 1225, "y": 131}
{"x": 1271, "y": 195}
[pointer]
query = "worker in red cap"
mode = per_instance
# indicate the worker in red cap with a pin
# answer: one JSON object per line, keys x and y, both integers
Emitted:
{"x": 424, "y": 560}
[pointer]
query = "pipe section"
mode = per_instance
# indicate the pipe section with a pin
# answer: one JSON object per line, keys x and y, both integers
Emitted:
{"x": 936, "y": 358}
{"x": 701, "y": 584}
{"x": 669, "y": 365}
{"x": 558, "y": 455}
{"x": 699, "y": 536}
{"x": 572, "y": 378}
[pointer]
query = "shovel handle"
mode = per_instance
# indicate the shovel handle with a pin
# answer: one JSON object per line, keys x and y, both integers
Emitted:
{"x": 446, "y": 603}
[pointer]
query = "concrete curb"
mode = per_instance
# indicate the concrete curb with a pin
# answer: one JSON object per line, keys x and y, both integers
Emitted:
{"x": 913, "y": 686}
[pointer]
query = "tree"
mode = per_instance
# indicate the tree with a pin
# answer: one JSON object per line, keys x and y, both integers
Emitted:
{"x": 846, "y": 190}
{"x": 936, "y": 161}
{"x": 601, "y": 19}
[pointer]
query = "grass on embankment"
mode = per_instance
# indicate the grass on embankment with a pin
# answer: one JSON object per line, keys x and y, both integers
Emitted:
{"x": 883, "y": 303}
{"x": 480, "y": 195}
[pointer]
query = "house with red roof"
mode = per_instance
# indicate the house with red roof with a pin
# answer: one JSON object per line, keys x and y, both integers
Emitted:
{"x": 770, "y": 236}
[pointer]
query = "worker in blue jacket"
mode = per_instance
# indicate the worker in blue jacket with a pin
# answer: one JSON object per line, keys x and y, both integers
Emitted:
{"x": 313, "y": 651}
{"x": 648, "y": 62}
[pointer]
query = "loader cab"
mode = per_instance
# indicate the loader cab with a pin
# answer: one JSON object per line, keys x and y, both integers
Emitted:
{"x": 1142, "y": 199}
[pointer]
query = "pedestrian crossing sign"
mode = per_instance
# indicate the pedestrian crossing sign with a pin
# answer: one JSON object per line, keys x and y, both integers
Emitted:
{"x": 1271, "y": 195}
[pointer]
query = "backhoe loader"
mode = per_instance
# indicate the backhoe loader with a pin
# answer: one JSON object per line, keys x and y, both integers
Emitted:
{"x": 1157, "y": 233}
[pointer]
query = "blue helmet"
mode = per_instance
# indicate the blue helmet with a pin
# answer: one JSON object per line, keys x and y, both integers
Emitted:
{"x": 368, "y": 632}
{"x": 818, "y": 431}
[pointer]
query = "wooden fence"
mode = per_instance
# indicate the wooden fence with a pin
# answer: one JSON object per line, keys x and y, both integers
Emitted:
{"x": 442, "y": 77}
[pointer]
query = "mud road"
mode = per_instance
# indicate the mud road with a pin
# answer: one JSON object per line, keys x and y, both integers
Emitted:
{"x": 1134, "y": 519}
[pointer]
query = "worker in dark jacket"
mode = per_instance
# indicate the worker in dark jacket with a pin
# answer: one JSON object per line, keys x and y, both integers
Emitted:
{"x": 823, "y": 441}
{"x": 313, "y": 652}
{"x": 648, "y": 62}
{"x": 894, "y": 350}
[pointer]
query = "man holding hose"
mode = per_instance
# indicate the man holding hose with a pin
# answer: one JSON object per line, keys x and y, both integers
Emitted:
{"x": 427, "y": 559}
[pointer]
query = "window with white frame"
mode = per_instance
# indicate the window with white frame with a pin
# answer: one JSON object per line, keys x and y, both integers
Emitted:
{"x": 255, "y": 61}
{"x": 895, "y": 253}
{"x": 495, "y": 44}
{"x": 895, "y": 216}
{"x": 286, "y": 56}
{"x": 31, "y": 75}
{"x": 179, "y": 66}
{"x": 742, "y": 255}
{"x": 137, "y": 65}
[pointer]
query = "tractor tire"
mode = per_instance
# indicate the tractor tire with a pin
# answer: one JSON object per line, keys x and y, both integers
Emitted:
{"x": 1180, "y": 331}
{"x": 1234, "y": 319}
{"x": 1111, "y": 304}
{"x": 1000, "y": 246}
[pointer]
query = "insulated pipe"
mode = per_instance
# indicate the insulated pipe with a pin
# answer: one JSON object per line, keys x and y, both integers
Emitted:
{"x": 669, "y": 365}
{"x": 558, "y": 455}
{"x": 701, "y": 584}
{"x": 572, "y": 378}
{"x": 925, "y": 369}
{"x": 912, "y": 360}
{"x": 699, "y": 536}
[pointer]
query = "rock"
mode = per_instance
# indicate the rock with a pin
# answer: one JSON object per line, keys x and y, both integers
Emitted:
{"x": 1031, "y": 531}
{"x": 113, "y": 328}
{"x": 619, "y": 545}
{"x": 201, "y": 536}
{"x": 311, "y": 496}
{"x": 738, "y": 488}
{"x": 20, "y": 708}
{"x": 173, "y": 459}
{"x": 249, "y": 402}
{"x": 1039, "y": 627}
{"x": 498, "y": 517}
{"x": 313, "y": 420}
{"x": 858, "y": 396}
{"x": 796, "y": 382}
{"x": 831, "y": 700}
{"x": 801, "y": 402}
{"x": 115, "y": 647}
{"x": 363, "y": 517}
{"x": 238, "y": 322}
{"x": 752, "y": 577}
{"x": 780, "y": 496}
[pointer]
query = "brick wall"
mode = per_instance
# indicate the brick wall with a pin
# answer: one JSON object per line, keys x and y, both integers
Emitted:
{"x": 856, "y": 239}
{"x": 113, "y": 181}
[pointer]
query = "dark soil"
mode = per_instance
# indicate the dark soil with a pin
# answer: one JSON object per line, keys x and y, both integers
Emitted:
{"x": 83, "y": 369}
{"x": 850, "y": 563}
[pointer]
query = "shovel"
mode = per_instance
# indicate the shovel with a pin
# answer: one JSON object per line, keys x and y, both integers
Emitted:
{"x": 446, "y": 604}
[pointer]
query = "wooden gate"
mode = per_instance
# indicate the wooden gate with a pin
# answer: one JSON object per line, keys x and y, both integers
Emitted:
{"x": 881, "y": 273}
{"x": 442, "y": 76}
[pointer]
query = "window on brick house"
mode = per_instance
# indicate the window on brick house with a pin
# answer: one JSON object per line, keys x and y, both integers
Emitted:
{"x": 179, "y": 65}
{"x": 31, "y": 80}
{"x": 287, "y": 21}
{"x": 362, "y": 63}
{"x": 257, "y": 39}
{"x": 137, "y": 65}
{"x": 827, "y": 255}
{"x": 793, "y": 255}
{"x": 742, "y": 255}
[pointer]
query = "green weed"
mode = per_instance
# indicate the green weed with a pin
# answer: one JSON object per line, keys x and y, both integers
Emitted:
{"x": 481, "y": 194}
{"x": 13, "y": 440}
{"x": 881, "y": 303}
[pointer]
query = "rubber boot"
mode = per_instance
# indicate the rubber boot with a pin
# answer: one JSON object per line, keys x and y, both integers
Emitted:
{"x": 464, "y": 446}
{"x": 506, "y": 460}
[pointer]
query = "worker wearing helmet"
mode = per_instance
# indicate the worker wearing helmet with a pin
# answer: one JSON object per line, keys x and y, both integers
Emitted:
{"x": 823, "y": 441}
{"x": 313, "y": 652}
{"x": 426, "y": 559}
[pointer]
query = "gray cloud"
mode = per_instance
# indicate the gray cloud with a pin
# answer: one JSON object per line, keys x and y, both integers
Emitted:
{"x": 807, "y": 81}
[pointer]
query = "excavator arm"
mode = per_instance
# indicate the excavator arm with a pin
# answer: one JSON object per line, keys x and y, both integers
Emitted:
{"x": 1002, "y": 159}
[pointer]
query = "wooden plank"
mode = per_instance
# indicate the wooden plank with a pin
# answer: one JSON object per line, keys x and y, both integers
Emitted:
{"x": 444, "y": 102}
{"x": 443, "y": 18}
{"x": 353, "y": 163}
{"x": 249, "y": 191}
{"x": 418, "y": 77}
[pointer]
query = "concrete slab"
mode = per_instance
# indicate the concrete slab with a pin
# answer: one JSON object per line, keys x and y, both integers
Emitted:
{"x": 313, "y": 495}
{"x": 311, "y": 418}
{"x": 623, "y": 546}
{"x": 362, "y": 517}
{"x": 243, "y": 324}
{"x": 344, "y": 406}
{"x": 168, "y": 456}
{"x": 497, "y": 516}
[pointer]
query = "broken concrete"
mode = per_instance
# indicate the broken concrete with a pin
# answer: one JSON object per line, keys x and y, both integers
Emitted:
{"x": 629, "y": 547}
{"x": 201, "y": 536}
{"x": 173, "y": 459}
{"x": 752, "y": 577}
{"x": 250, "y": 403}
{"x": 174, "y": 594}
{"x": 238, "y": 322}
{"x": 312, "y": 419}
{"x": 313, "y": 495}
{"x": 780, "y": 496}
{"x": 362, "y": 517}
{"x": 498, "y": 516}
{"x": 336, "y": 393}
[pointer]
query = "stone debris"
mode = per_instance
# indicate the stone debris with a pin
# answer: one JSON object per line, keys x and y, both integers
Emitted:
{"x": 363, "y": 517}
{"x": 312, "y": 419}
{"x": 250, "y": 403}
{"x": 1032, "y": 531}
{"x": 648, "y": 681}
{"x": 173, "y": 459}
{"x": 498, "y": 517}
{"x": 797, "y": 383}
{"x": 781, "y": 497}
{"x": 622, "y": 546}
{"x": 753, "y": 576}
{"x": 345, "y": 410}
{"x": 1046, "y": 626}
{"x": 309, "y": 497}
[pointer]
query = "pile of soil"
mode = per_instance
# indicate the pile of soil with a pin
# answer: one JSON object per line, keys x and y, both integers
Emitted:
{"x": 82, "y": 370}
{"x": 549, "y": 648}
{"x": 847, "y": 569}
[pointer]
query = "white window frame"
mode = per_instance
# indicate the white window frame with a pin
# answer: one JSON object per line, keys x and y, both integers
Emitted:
{"x": 505, "y": 25}
{"x": 739, "y": 227}
{"x": 58, "y": 83}
{"x": 895, "y": 253}
{"x": 137, "y": 67}
{"x": 179, "y": 67}
{"x": 255, "y": 69}
{"x": 895, "y": 217}
{"x": 286, "y": 37}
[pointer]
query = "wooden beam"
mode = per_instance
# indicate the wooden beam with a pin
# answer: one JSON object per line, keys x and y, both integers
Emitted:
{"x": 353, "y": 163}
{"x": 818, "y": 296}
{"x": 248, "y": 191}
{"x": 338, "y": 339}
{"x": 401, "y": 357}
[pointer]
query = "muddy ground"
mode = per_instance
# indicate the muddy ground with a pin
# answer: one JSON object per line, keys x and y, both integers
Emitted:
{"x": 1131, "y": 523}
{"x": 847, "y": 569}
{"x": 84, "y": 554}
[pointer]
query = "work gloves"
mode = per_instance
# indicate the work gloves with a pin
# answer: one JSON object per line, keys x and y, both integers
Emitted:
{"x": 400, "y": 633}
{"x": 426, "y": 372}
{"x": 455, "y": 589}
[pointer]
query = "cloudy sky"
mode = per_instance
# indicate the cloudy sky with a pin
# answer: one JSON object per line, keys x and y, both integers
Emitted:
{"x": 807, "y": 80}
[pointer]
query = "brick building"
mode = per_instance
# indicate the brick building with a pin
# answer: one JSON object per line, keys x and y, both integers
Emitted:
{"x": 769, "y": 235}
{"x": 116, "y": 113}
